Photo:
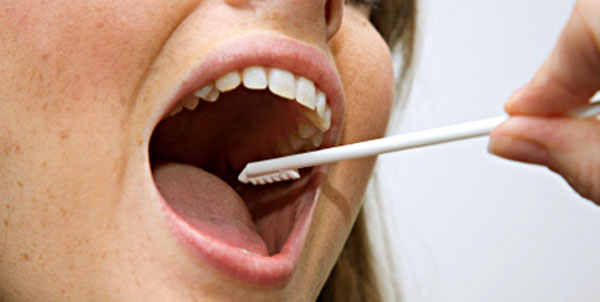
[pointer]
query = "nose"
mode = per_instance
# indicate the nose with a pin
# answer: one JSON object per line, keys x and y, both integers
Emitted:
{"x": 303, "y": 13}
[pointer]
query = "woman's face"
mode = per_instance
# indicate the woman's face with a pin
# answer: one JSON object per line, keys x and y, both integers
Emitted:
{"x": 106, "y": 193}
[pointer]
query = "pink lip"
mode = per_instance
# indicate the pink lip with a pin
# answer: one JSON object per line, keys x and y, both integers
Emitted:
{"x": 301, "y": 59}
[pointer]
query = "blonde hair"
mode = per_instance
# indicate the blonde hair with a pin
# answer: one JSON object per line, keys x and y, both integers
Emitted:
{"x": 353, "y": 277}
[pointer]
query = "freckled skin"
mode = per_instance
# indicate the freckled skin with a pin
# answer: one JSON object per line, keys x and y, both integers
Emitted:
{"x": 81, "y": 80}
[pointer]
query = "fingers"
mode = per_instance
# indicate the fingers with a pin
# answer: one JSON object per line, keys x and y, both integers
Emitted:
{"x": 568, "y": 146}
{"x": 566, "y": 80}
{"x": 571, "y": 74}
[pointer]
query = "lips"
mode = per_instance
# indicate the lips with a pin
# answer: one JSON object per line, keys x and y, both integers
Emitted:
{"x": 224, "y": 115}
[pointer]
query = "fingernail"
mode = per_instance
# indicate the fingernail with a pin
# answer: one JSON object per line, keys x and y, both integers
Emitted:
{"x": 519, "y": 150}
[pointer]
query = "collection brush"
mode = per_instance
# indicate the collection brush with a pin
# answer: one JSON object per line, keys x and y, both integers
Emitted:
{"x": 286, "y": 168}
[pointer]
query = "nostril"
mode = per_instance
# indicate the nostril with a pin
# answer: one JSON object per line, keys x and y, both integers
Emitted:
{"x": 333, "y": 16}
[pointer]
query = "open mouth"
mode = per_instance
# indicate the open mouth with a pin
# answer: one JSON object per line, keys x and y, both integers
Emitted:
{"x": 243, "y": 114}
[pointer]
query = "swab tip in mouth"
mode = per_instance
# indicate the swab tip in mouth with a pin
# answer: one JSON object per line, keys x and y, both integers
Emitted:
{"x": 268, "y": 178}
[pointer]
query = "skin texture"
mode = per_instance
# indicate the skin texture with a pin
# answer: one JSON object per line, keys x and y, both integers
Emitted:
{"x": 80, "y": 83}
{"x": 536, "y": 132}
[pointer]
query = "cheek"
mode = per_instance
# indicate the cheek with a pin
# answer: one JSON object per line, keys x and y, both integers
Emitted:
{"x": 68, "y": 69}
{"x": 73, "y": 48}
{"x": 365, "y": 66}
{"x": 364, "y": 63}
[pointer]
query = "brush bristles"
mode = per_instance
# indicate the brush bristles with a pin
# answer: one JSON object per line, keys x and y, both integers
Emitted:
{"x": 274, "y": 177}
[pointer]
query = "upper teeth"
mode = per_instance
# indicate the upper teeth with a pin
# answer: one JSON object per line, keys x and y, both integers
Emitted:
{"x": 280, "y": 82}
{"x": 229, "y": 81}
{"x": 255, "y": 77}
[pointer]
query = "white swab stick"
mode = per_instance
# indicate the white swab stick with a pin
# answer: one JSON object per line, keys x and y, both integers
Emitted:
{"x": 285, "y": 168}
{"x": 370, "y": 148}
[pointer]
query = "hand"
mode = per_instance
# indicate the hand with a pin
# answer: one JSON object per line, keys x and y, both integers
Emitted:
{"x": 537, "y": 131}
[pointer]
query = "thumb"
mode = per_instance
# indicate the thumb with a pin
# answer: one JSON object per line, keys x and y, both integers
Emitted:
{"x": 568, "y": 146}
{"x": 571, "y": 74}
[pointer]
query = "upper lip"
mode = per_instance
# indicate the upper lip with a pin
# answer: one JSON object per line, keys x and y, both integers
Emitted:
{"x": 268, "y": 51}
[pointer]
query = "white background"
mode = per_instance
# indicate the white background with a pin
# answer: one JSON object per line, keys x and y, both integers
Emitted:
{"x": 464, "y": 225}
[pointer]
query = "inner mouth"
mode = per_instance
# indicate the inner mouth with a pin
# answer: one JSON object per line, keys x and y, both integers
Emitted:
{"x": 197, "y": 152}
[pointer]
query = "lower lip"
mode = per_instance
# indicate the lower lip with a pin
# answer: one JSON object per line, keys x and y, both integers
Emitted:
{"x": 259, "y": 270}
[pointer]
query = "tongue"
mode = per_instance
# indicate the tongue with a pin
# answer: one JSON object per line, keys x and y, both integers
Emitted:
{"x": 208, "y": 204}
